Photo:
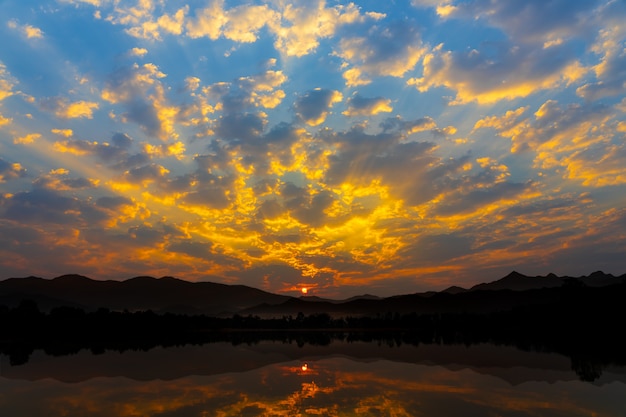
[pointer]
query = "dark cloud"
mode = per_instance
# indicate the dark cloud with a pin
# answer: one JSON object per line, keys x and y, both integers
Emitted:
{"x": 362, "y": 157}
{"x": 437, "y": 249}
{"x": 551, "y": 120}
{"x": 10, "y": 170}
{"x": 407, "y": 126}
{"x": 113, "y": 203}
{"x": 146, "y": 235}
{"x": 192, "y": 248}
{"x": 467, "y": 202}
{"x": 41, "y": 206}
{"x": 241, "y": 126}
{"x": 139, "y": 90}
{"x": 115, "y": 154}
{"x": 306, "y": 207}
{"x": 121, "y": 140}
{"x": 532, "y": 20}
{"x": 391, "y": 48}
{"x": 63, "y": 183}
{"x": 144, "y": 114}
{"x": 208, "y": 186}
{"x": 313, "y": 106}
{"x": 210, "y": 196}
{"x": 499, "y": 71}
{"x": 145, "y": 174}
{"x": 611, "y": 76}
{"x": 366, "y": 106}
{"x": 270, "y": 209}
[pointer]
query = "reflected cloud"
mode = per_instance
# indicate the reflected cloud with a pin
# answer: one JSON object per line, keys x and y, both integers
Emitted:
{"x": 322, "y": 386}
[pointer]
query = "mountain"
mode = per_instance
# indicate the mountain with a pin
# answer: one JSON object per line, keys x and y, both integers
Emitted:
{"x": 165, "y": 294}
{"x": 168, "y": 294}
{"x": 328, "y": 300}
{"x": 519, "y": 282}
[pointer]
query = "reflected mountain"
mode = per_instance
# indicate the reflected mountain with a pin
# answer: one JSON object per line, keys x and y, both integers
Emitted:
{"x": 508, "y": 363}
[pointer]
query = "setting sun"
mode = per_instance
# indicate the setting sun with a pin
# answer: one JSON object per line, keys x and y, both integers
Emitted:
{"x": 305, "y": 290}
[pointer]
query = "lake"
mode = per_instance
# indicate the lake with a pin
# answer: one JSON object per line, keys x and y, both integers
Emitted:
{"x": 340, "y": 378}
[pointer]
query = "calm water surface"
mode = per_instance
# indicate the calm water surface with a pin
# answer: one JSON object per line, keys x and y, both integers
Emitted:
{"x": 282, "y": 379}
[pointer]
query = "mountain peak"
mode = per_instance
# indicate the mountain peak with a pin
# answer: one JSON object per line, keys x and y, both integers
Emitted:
{"x": 72, "y": 278}
{"x": 599, "y": 274}
{"x": 514, "y": 274}
{"x": 454, "y": 290}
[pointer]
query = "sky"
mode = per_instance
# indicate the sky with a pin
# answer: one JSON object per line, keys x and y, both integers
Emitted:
{"x": 380, "y": 147}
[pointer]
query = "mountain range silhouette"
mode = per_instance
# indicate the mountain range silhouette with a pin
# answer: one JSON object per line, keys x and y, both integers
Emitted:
{"x": 168, "y": 294}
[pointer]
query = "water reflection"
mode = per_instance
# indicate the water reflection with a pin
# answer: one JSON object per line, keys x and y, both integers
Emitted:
{"x": 280, "y": 379}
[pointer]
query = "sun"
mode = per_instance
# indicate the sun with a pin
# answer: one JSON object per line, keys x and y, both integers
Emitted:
{"x": 305, "y": 290}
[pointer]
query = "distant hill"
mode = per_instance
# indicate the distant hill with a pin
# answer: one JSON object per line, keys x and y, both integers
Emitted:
{"x": 513, "y": 290}
{"x": 170, "y": 294}
{"x": 165, "y": 294}
{"x": 519, "y": 282}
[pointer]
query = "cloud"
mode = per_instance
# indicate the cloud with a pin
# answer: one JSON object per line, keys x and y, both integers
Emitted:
{"x": 96, "y": 3}
{"x": 307, "y": 208}
{"x": 147, "y": 19}
{"x": 176, "y": 149}
{"x": 529, "y": 21}
{"x": 5, "y": 120}
{"x": 463, "y": 202}
{"x": 65, "y": 109}
{"x": 145, "y": 174}
{"x": 58, "y": 180}
{"x": 611, "y": 70}
{"x": 578, "y": 141}
{"x": 145, "y": 27}
{"x": 397, "y": 124}
{"x": 10, "y": 170}
{"x": 46, "y": 206}
{"x": 27, "y": 139}
{"x": 313, "y": 106}
{"x": 554, "y": 127}
{"x": 244, "y": 22}
{"x": 391, "y": 50}
{"x": 242, "y": 126}
{"x": 239, "y": 24}
{"x": 304, "y": 23}
{"x": 116, "y": 154}
{"x": 140, "y": 52}
{"x": 7, "y": 82}
{"x": 437, "y": 249}
{"x": 200, "y": 250}
{"x": 208, "y": 22}
{"x": 28, "y": 31}
{"x": 297, "y": 27}
{"x": 68, "y": 133}
{"x": 244, "y": 92}
{"x": 599, "y": 165}
{"x": 121, "y": 209}
{"x": 362, "y": 106}
{"x": 210, "y": 195}
{"x": 141, "y": 93}
{"x": 408, "y": 169}
{"x": 506, "y": 73}
{"x": 503, "y": 124}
